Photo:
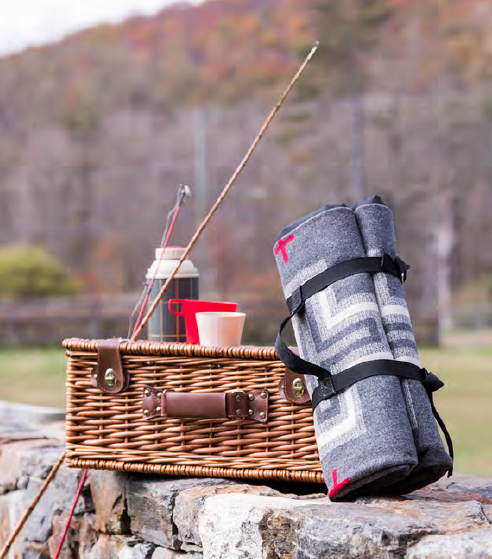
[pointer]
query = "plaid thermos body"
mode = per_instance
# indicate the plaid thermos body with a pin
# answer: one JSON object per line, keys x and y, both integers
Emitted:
{"x": 163, "y": 325}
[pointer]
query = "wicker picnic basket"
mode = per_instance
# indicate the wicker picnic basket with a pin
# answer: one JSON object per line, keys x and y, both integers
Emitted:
{"x": 182, "y": 409}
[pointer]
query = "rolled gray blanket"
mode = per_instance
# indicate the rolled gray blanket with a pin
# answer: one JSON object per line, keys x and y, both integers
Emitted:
{"x": 375, "y": 221}
{"x": 364, "y": 434}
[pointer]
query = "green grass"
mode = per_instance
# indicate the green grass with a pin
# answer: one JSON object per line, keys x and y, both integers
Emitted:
{"x": 465, "y": 403}
{"x": 37, "y": 376}
{"x": 33, "y": 376}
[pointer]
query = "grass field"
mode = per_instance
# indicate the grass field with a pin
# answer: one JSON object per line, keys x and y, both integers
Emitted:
{"x": 465, "y": 364}
{"x": 33, "y": 376}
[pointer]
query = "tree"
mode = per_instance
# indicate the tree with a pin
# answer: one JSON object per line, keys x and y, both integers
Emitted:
{"x": 30, "y": 272}
{"x": 348, "y": 30}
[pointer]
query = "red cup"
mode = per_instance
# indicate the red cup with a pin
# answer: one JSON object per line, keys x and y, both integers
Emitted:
{"x": 189, "y": 308}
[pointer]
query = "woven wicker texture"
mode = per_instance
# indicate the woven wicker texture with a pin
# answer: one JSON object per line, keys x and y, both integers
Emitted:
{"x": 108, "y": 431}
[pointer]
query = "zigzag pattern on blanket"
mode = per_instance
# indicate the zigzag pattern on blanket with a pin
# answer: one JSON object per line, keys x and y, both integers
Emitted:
{"x": 343, "y": 329}
{"x": 341, "y": 419}
{"x": 395, "y": 317}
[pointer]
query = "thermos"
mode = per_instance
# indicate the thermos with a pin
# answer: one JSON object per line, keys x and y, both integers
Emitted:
{"x": 164, "y": 326}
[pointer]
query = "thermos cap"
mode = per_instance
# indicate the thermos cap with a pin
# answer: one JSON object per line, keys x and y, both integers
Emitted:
{"x": 170, "y": 253}
{"x": 168, "y": 262}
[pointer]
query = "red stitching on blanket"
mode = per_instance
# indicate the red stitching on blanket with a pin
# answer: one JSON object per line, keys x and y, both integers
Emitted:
{"x": 281, "y": 247}
{"x": 337, "y": 486}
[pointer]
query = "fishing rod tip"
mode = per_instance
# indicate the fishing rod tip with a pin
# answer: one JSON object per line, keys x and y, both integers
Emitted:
{"x": 184, "y": 192}
{"x": 313, "y": 50}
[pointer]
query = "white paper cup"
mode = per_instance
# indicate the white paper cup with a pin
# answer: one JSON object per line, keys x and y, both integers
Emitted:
{"x": 220, "y": 329}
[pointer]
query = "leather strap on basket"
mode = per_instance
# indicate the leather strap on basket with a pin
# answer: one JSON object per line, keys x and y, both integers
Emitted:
{"x": 205, "y": 405}
{"x": 109, "y": 375}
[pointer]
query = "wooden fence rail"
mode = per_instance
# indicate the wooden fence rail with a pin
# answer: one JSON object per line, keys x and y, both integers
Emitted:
{"x": 48, "y": 321}
{"x": 45, "y": 322}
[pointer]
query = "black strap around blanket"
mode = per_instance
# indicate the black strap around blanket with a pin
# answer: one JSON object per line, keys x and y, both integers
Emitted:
{"x": 329, "y": 384}
{"x": 368, "y": 264}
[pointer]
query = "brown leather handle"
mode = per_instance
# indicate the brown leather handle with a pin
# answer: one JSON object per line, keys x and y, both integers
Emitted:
{"x": 205, "y": 405}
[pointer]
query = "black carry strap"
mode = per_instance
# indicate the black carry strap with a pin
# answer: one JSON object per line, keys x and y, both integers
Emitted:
{"x": 386, "y": 264}
{"x": 368, "y": 264}
{"x": 329, "y": 384}
{"x": 333, "y": 384}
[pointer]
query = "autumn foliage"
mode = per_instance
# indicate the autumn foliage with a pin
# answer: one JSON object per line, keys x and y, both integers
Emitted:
{"x": 98, "y": 131}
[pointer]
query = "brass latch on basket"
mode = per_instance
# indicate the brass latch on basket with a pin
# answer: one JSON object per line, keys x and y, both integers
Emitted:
{"x": 205, "y": 405}
{"x": 108, "y": 375}
{"x": 293, "y": 388}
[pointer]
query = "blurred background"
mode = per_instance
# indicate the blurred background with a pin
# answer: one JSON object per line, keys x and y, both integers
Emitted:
{"x": 106, "y": 107}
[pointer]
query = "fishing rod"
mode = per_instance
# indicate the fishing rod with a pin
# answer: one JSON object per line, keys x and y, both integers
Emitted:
{"x": 228, "y": 186}
{"x": 184, "y": 192}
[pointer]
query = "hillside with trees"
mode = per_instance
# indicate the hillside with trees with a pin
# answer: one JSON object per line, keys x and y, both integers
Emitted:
{"x": 98, "y": 131}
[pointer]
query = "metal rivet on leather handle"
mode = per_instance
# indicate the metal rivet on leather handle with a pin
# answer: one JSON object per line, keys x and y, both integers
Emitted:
{"x": 298, "y": 388}
{"x": 263, "y": 395}
{"x": 110, "y": 378}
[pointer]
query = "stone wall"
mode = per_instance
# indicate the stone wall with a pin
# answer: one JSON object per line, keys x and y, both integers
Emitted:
{"x": 124, "y": 516}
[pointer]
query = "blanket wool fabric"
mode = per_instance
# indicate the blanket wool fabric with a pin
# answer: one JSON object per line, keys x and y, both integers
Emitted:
{"x": 376, "y": 436}
{"x": 375, "y": 221}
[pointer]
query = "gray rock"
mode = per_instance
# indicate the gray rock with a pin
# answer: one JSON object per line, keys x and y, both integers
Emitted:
{"x": 117, "y": 547}
{"x": 87, "y": 536}
{"x": 12, "y": 506}
{"x": 350, "y": 530}
{"x": 151, "y": 503}
{"x": 222, "y": 519}
{"x": 26, "y": 458}
{"x": 476, "y": 544}
{"x": 245, "y": 526}
{"x": 235, "y": 526}
{"x": 36, "y": 551}
{"x": 71, "y": 541}
{"x": 26, "y": 414}
{"x": 106, "y": 548}
{"x": 139, "y": 551}
{"x": 108, "y": 490}
{"x": 190, "y": 502}
{"x": 458, "y": 488}
{"x": 22, "y": 482}
{"x": 162, "y": 553}
{"x": 191, "y": 548}
{"x": 57, "y": 499}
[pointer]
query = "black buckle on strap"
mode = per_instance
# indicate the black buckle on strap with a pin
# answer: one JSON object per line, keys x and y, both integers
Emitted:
{"x": 431, "y": 382}
{"x": 395, "y": 266}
